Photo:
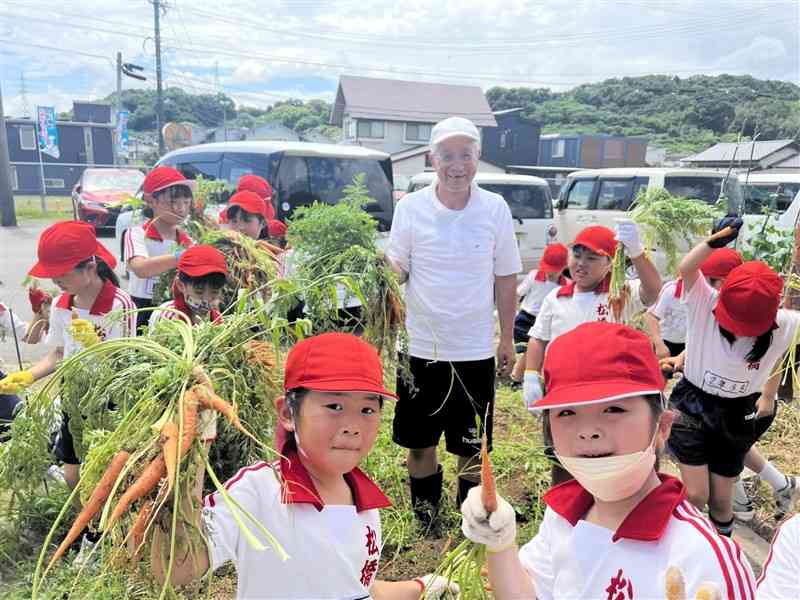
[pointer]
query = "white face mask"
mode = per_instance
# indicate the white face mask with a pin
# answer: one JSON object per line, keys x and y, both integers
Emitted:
{"x": 612, "y": 478}
{"x": 199, "y": 307}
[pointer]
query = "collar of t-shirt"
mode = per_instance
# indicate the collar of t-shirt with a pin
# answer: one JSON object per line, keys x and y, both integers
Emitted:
{"x": 298, "y": 488}
{"x": 151, "y": 232}
{"x": 568, "y": 289}
{"x": 103, "y": 303}
{"x": 646, "y": 522}
{"x": 442, "y": 209}
{"x": 179, "y": 302}
{"x": 542, "y": 276}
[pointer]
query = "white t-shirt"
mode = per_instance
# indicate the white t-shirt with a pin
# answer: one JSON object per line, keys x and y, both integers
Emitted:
{"x": 334, "y": 551}
{"x": 671, "y": 313}
{"x": 780, "y": 577}
{"x": 714, "y": 365}
{"x": 565, "y": 308}
{"x": 532, "y": 291}
{"x": 571, "y": 559}
{"x": 112, "y": 315}
{"x": 145, "y": 240}
{"x": 11, "y": 325}
{"x": 452, "y": 258}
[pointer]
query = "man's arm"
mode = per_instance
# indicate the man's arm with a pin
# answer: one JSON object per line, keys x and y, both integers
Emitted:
{"x": 505, "y": 287}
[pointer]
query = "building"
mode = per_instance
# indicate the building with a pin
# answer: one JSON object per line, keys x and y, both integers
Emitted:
{"x": 395, "y": 116}
{"x": 591, "y": 151}
{"x": 755, "y": 156}
{"x": 81, "y": 143}
{"x": 515, "y": 140}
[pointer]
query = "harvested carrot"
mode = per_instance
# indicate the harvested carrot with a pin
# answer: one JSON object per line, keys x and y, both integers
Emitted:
{"x": 724, "y": 232}
{"x": 189, "y": 418}
{"x": 99, "y": 496}
{"x": 149, "y": 479}
{"x": 674, "y": 585}
{"x": 169, "y": 446}
{"x": 202, "y": 378}
{"x": 209, "y": 400}
{"x": 488, "y": 487}
{"x": 139, "y": 527}
{"x": 708, "y": 591}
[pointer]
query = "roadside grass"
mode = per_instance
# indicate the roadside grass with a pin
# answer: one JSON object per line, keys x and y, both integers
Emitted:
{"x": 29, "y": 208}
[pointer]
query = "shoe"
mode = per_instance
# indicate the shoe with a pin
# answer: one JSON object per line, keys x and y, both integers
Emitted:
{"x": 786, "y": 497}
{"x": 515, "y": 385}
{"x": 743, "y": 511}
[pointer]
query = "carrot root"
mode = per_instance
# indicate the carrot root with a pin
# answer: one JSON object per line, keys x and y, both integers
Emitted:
{"x": 488, "y": 487}
{"x": 149, "y": 479}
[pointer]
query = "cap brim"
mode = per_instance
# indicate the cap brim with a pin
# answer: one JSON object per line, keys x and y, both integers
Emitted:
{"x": 546, "y": 268}
{"x": 50, "y": 271}
{"x": 192, "y": 185}
{"x": 593, "y": 393}
{"x": 352, "y": 385}
{"x": 451, "y": 134}
{"x": 200, "y": 271}
{"x": 738, "y": 328}
{"x": 592, "y": 247}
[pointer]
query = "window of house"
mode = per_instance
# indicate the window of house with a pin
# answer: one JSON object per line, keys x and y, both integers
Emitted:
{"x": 418, "y": 132}
{"x": 507, "y": 140}
{"x": 14, "y": 179}
{"x": 27, "y": 138}
{"x": 558, "y": 148}
{"x": 349, "y": 129}
{"x": 370, "y": 129}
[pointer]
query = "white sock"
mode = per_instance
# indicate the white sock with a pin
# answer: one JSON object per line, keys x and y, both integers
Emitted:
{"x": 772, "y": 476}
{"x": 739, "y": 495}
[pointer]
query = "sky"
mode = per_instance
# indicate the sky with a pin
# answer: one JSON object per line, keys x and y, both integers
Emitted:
{"x": 262, "y": 51}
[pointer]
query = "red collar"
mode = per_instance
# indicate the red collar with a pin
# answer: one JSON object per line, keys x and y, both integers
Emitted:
{"x": 541, "y": 276}
{"x": 151, "y": 232}
{"x": 646, "y": 522}
{"x": 180, "y": 303}
{"x": 568, "y": 289}
{"x": 299, "y": 489}
{"x": 678, "y": 288}
{"x": 103, "y": 303}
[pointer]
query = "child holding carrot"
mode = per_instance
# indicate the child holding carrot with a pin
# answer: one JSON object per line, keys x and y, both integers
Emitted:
{"x": 247, "y": 213}
{"x": 197, "y": 290}
{"x": 321, "y": 508}
{"x": 615, "y": 530}
{"x": 154, "y": 247}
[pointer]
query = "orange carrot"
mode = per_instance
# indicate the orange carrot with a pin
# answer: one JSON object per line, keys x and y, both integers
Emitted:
{"x": 189, "y": 418}
{"x": 99, "y": 496}
{"x": 488, "y": 488}
{"x": 139, "y": 527}
{"x": 149, "y": 479}
{"x": 169, "y": 446}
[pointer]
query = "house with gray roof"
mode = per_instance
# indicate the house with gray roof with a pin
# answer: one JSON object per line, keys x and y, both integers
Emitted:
{"x": 755, "y": 156}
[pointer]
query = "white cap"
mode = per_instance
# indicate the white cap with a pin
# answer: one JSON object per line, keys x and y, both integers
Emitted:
{"x": 453, "y": 126}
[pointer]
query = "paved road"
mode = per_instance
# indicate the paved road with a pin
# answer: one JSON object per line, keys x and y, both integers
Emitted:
{"x": 17, "y": 256}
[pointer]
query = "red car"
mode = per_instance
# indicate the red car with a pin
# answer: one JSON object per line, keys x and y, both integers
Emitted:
{"x": 100, "y": 194}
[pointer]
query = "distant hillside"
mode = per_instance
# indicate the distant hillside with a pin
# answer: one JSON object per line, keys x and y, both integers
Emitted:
{"x": 681, "y": 115}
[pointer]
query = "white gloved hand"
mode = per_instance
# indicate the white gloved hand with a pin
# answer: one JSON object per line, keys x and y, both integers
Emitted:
{"x": 628, "y": 236}
{"x": 531, "y": 388}
{"x": 208, "y": 425}
{"x": 497, "y": 531}
{"x": 435, "y": 586}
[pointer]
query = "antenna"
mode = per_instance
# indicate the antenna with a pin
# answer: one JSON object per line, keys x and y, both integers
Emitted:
{"x": 23, "y": 95}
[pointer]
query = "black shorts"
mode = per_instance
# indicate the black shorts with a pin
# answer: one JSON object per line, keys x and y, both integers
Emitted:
{"x": 522, "y": 325}
{"x": 714, "y": 431}
{"x": 142, "y": 318}
{"x": 64, "y": 448}
{"x": 9, "y": 404}
{"x": 675, "y": 348}
{"x": 448, "y": 397}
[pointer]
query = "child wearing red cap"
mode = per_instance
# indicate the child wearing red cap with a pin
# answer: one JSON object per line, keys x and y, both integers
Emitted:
{"x": 197, "y": 291}
{"x": 726, "y": 400}
{"x": 247, "y": 213}
{"x": 533, "y": 289}
{"x": 616, "y": 528}
{"x": 780, "y": 576}
{"x": 154, "y": 247}
{"x": 318, "y": 504}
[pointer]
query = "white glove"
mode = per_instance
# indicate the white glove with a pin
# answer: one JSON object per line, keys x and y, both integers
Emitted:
{"x": 208, "y": 425}
{"x": 628, "y": 235}
{"x": 531, "y": 388}
{"x": 435, "y": 586}
{"x": 497, "y": 531}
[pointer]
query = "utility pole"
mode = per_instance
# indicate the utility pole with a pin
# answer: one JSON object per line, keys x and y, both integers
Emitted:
{"x": 159, "y": 88}
{"x": 23, "y": 95}
{"x": 8, "y": 217}
{"x": 118, "y": 105}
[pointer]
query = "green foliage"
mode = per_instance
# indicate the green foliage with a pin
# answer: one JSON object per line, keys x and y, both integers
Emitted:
{"x": 208, "y": 110}
{"x": 772, "y": 245}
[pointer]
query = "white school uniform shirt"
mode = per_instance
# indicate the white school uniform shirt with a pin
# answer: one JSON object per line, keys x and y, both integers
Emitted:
{"x": 570, "y": 559}
{"x": 780, "y": 577}
{"x": 334, "y": 551}
{"x": 714, "y": 365}
{"x": 11, "y": 325}
{"x": 533, "y": 290}
{"x": 145, "y": 240}
{"x": 671, "y": 312}
{"x": 452, "y": 258}
{"x": 565, "y": 308}
{"x": 111, "y": 314}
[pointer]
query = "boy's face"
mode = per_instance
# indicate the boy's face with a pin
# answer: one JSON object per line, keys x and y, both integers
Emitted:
{"x": 588, "y": 268}
{"x": 335, "y": 430}
{"x": 200, "y": 298}
{"x": 171, "y": 207}
{"x": 247, "y": 224}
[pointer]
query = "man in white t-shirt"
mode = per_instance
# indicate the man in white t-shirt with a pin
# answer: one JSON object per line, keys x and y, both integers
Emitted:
{"x": 454, "y": 246}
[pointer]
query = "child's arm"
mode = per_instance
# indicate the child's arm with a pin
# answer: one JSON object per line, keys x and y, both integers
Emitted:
{"x": 507, "y": 576}
{"x": 534, "y": 355}
{"x": 648, "y": 275}
{"x": 155, "y": 265}
{"x": 654, "y": 330}
{"x": 429, "y": 587}
{"x": 690, "y": 265}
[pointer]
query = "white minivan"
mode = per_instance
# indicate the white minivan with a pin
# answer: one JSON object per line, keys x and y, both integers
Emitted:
{"x": 531, "y": 208}
{"x": 772, "y": 191}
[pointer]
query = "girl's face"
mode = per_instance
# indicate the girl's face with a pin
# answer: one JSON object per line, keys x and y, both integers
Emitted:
{"x": 609, "y": 428}
{"x": 588, "y": 268}
{"x": 336, "y": 430}
{"x": 201, "y": 298}
{"x": 76, "y": 280}
{"x": 247, "y": 224}
{"x": 172, "y": 205}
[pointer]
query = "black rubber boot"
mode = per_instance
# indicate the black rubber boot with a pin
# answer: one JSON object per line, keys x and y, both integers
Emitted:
{"x": 464, "y": 486}
{"x": 426, "y": 494}
{"x": 725, "y": 529}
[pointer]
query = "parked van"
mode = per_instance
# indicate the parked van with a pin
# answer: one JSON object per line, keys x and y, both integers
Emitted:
{"x": 771, "y": 191}
{"x": 530, "y": 203}
{"x": 599, "y": 196}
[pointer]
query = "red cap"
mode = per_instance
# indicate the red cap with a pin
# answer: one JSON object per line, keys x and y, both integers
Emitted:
{"x": 161, "y": 178}
{"x": 749, "y": 299}
{"x": 721, "y": 262}
{"x": 335, "y": 362}
{"x": 65, "y": 245}
{"x": 598, "y": 362}
{"x": 276, "y": 229}
{"x": 250, "y": 202}
{"x": 598, "y": 239}
{"x": 202, "y": 260}
{"x": 255, "y": 184}
{"x": 554, "y": 259}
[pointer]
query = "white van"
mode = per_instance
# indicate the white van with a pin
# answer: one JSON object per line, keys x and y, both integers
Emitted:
{"x": 772, "y": 191}
{"x": 599, "y": 196}
{"x": 531, "y": 207}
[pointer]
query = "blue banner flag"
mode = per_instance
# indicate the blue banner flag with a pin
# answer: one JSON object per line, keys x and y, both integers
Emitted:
{"x": 47, "y": 131}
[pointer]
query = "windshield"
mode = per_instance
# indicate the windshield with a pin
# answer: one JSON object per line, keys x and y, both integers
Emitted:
{"x": 702, "y": 188}
{"x": 776, "y": 196}
{"x": 525, "y": 201}
{"x": 112, "y": 179}
{"x": 329, "y": 176}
